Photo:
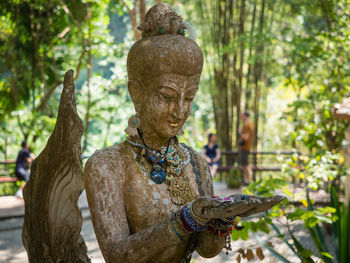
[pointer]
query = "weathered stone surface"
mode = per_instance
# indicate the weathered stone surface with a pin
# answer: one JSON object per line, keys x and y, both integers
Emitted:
{"x": 52, "y": 224}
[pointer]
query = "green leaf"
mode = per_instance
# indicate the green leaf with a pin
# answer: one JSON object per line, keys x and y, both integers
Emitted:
{"x": 264, "y": 228}
{"x": 296, "y": 215}
{"x": 311, "y": 222}
{"x": 279, "y": 234}
{"x": 327, "y": 255}
{"x": 326, "y": 210}
{"x": 316, "y": 233}
{"x": 304, "y": 253}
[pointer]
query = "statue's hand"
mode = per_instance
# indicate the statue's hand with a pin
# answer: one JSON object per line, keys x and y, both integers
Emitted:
{"x": 235, "y": 205}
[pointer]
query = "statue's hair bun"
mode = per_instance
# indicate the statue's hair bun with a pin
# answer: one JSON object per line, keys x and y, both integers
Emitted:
{"x": 163, "y": 49}
{"x": 161, "y": 19}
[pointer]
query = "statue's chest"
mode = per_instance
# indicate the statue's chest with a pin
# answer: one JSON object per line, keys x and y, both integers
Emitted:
{"x": 147, "y": 202}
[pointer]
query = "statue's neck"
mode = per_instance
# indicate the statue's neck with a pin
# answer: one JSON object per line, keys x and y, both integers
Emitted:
{"x": 153, "y": 140}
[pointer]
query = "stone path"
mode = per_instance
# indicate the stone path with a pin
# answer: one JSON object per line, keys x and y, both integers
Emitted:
{"x": 12, "y": 251}
{"x": 11, "y": 206}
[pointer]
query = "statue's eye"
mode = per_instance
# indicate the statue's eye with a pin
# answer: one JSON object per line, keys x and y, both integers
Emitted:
{"x": 167, "y": 93}
{"x": 189, "y": 99}
{"x": 182, "y": 31}
{"x": 167, "y": 96}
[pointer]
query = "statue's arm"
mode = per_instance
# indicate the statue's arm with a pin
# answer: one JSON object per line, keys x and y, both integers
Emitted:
{"x": 208, "y": 245}
{"x": 106, "y": 203}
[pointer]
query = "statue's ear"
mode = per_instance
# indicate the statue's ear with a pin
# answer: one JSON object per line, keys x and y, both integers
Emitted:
{"x": 135, "y": 93}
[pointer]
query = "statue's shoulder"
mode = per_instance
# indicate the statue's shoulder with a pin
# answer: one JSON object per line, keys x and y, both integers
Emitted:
{"x": 189, "y": 148}
{"x": 196, "y": 156}
{"x": 111, "y": 157}
{"x": 201, "y": 171}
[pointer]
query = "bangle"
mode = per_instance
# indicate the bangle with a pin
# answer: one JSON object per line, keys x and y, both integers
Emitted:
{"x": 184, "y": 222}
{"x": 189, "y": 223}
{"x": 200, "y": 220}
{"x": 172, "y": 223}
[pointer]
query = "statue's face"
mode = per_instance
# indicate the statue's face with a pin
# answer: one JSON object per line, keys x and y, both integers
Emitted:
{"x": 168, "y": 103}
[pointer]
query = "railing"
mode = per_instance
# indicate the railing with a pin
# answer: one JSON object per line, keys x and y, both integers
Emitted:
{"x": 259, "y": 161}
{"x": 7, "y": 171}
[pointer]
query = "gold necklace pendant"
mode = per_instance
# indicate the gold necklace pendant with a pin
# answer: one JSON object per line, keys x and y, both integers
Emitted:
{"x": 180, "y": 191}
{"x": 179, "y": 186}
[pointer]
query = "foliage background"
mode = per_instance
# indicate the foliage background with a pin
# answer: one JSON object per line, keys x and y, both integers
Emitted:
{"x": 285, "y": 61}
{"x": 298, "y": 48}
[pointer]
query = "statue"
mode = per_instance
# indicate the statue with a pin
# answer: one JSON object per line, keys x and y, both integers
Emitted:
{"x": 151, "y": 197}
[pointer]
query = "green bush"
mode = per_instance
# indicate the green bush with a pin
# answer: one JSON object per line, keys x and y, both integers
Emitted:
{"x": 9, "y": 188}
{"x": 233, "y": 178}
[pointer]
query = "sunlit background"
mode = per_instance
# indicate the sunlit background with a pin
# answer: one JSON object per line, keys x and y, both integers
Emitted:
{"x": 284, "y": 61}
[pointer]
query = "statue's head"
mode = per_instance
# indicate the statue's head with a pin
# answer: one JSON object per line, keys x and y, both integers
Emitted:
{"x": 164, "y": 69}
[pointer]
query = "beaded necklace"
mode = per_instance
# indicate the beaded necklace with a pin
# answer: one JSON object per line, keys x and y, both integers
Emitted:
{"x": 167, "y": 166}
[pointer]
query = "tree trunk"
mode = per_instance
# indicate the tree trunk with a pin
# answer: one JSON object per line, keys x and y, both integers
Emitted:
{"x": 257, "y": 74}
{"x": 241, "y": 64}
{"x": 52, "y": 221}
{"x": 89, "y": 75}
{"x": 248, "y": 92}
{"x": 133, "y": 16}
{"x": 142, "y": 10}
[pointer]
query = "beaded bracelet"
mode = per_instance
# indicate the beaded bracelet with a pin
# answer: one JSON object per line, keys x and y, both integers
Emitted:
{"x": 200, "y": 220}
{"x": 189, "y": 223}
{"x": 184, "y": 222}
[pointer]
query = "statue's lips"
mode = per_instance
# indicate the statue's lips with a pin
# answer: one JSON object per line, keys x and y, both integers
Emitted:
{"x": 174, "y": 125}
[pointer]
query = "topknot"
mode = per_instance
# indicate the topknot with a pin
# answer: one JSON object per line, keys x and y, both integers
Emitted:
{"x": 163, "y": 48}
{"x": 161, "y": 19}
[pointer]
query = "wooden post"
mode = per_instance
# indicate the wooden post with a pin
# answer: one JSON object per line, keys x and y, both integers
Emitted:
{"x": 346, "y": 152}
{"x": 342, "y": 111}
{"x": 53, "y": 221}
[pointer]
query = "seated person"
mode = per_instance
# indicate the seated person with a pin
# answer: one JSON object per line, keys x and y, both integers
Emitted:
{"x": 24, "y": 158}
{"x": 212, "y": 154}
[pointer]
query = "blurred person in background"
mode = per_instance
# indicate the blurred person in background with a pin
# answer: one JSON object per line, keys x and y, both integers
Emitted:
{"x": 212, "y": 154}
{"x": 245, "y": 145}
{"x": 24, "y": 158}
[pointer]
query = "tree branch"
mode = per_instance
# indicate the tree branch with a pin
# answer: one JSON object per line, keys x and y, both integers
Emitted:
{"x": 142, "y": 9}
{"x": 78, "y": 68}
{"x": 21, "y": 127}
{"x": 89, "y": 66}
{"x": 47, "y": 96}
{"x": 132, "y": 13}
{"x": 69, "y": 13}
{"x": 127, "y": 7}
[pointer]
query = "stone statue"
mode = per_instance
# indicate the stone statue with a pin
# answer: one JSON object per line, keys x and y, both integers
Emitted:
{"x": 151, "y": 197}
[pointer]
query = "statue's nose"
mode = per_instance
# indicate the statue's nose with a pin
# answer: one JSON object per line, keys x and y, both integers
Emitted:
{"x": 178, "y": 111}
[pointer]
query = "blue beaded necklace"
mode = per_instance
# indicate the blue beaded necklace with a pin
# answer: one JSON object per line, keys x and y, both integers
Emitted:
{"x": 157, "y": 160}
